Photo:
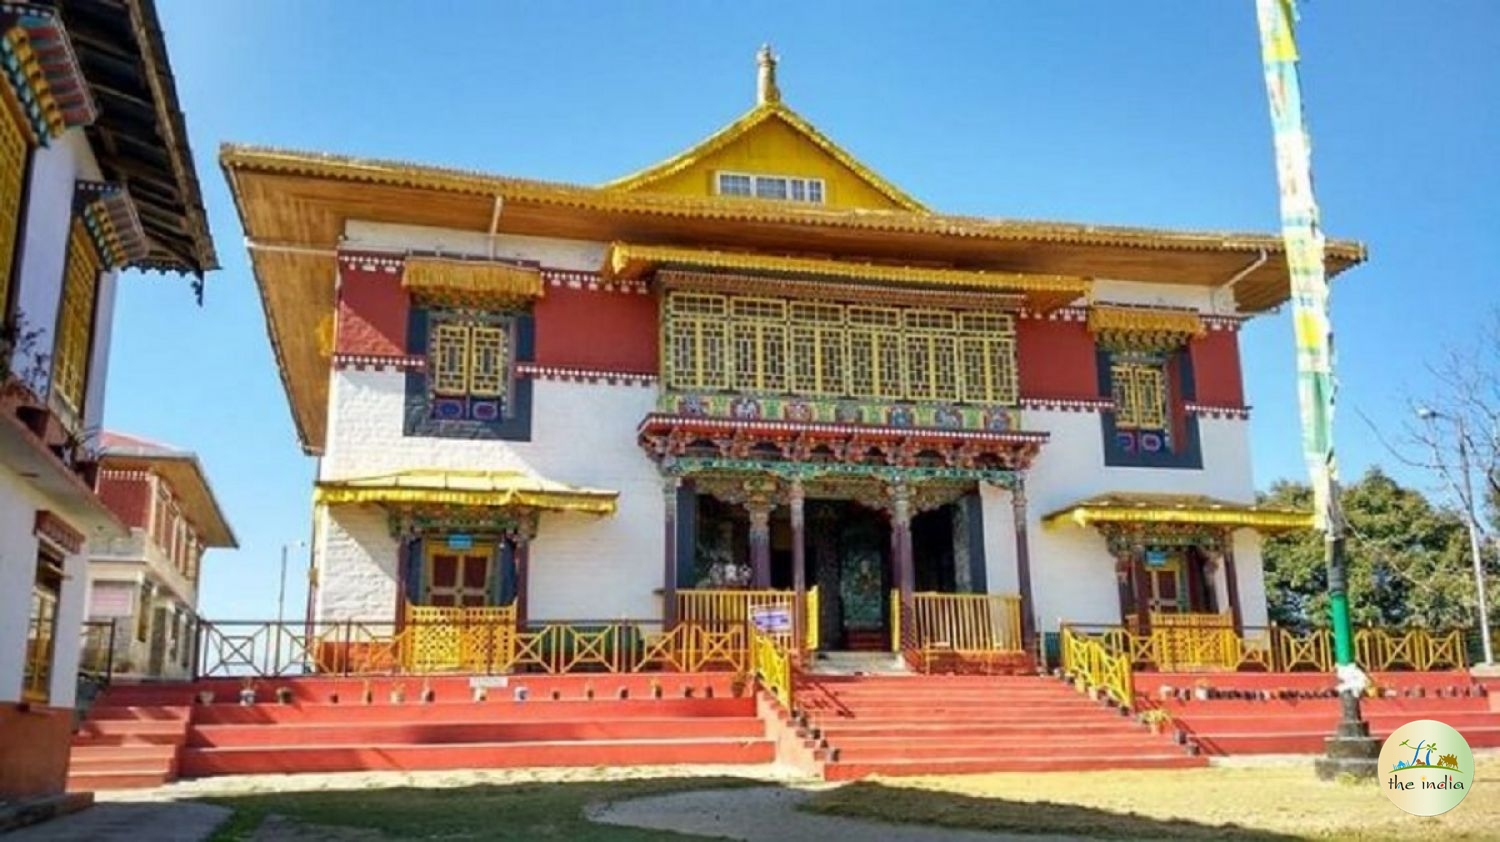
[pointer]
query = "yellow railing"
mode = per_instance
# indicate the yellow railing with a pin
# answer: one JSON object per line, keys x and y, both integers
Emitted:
{"x": 773, "y": 666}
{"x": 1205, "y": 646}
{"x": 443, "y": 639}
{"x": 895, "y": 621}
{"x": 1094, "y": 668}
{"x": 724, "y": 607}
{"x": 966, "y": 623}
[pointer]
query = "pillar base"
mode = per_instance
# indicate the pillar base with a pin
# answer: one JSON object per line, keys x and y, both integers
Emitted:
{"x": 1351, "y": 751}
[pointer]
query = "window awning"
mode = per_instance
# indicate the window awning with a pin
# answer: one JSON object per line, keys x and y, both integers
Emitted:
{"x": 492, "y": 489}
{"x": 1143, "y": 327}
{"x": 481, "y": 281}
{"x": 1119, "y": 507}
{"x": 1042, "y": 292}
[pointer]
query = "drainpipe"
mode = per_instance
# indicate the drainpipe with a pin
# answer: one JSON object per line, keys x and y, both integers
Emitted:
{"x": 1229, "y": 285}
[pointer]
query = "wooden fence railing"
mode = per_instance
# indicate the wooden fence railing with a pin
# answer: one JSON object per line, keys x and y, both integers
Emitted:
{"x": 1093, "y": 667}
{"x": 943, "y": 631}
{"x": 1207, "y": 647}
{"x": 725, "y": 607}
{"x": 772, "y": 665}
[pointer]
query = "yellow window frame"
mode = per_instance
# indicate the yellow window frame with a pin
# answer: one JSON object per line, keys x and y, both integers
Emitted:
{"x": 75, "y": 323}
{"x": 1140, "y": 395}
{"x": 15, "y": 145}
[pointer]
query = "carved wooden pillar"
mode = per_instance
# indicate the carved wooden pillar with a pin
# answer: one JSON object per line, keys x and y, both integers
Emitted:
{"x": 670, "y": 487}
{"x": 521, "y": 557}
{"x": 1023, "y": 562}
{"x": 906, "y": 574}
{"x": 760, "y": 542}
{"x": 1139, "y": 574}
{"x": 795, "y": 498}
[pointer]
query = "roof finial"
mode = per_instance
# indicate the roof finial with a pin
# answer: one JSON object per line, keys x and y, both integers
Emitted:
{"x": 766, "y": 91}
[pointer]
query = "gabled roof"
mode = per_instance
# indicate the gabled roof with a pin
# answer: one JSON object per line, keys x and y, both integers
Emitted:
{"x": 182, "y": 471}
{"x": 1141, "y": 507}
{"x": 745, "y": 126}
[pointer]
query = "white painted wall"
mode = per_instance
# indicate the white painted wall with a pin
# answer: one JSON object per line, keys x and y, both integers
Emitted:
{"x": 581, "y": 566}
{"x": 1072, "y": 571}
{"x": 552, "y": 252}
{"x": 19, "y": 503}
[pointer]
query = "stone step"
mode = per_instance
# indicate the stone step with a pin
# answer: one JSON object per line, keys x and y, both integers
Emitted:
{"x": 845, "y": 771}
{"x": 422, "y": 732}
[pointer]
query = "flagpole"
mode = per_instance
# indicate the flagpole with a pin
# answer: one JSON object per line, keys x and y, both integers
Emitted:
{"x": 1351, "y": 750}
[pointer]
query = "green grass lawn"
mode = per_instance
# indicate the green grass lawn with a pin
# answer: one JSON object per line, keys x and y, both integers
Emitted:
{"x": 1273, "y": 803}
{"x": 491, "y": 811}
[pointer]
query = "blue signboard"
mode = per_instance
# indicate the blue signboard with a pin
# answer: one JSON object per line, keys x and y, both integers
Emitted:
{"x": 460, "y": 542}
{"x": 772, "y": 619}
{"x": 1156, "y": 558}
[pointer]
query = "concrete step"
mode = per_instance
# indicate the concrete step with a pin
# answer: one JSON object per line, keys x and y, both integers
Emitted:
{"x": 130, "y": 727}
{"x": 120, "y": 779}
{"x": 507, "y": 710}
{"x": 95, "y": 764}
{"x": 351, "y": 758}
{"x": 422, "y": 732}
{"x": 85, "y": 740}
{"x": 139, "y": 713}
{"x": 841, "y": 729}
{"x": 845, "y": 771}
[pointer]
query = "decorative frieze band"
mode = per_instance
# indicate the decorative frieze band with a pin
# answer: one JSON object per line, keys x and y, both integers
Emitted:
{"x": 1081, "y": 314}
{"x": 591, "y": 281}
{"x": 1240, "y": 413}
{"x": 373, "y": 362}
{"x": 586, "y": 375}
{"x": 122, "y": 475}
{"x": 1068, "y": 404}
{"x": 366, "y": 262}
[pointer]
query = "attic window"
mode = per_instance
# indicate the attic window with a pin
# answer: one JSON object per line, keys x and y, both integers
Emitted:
{"x": 781, "y": 187}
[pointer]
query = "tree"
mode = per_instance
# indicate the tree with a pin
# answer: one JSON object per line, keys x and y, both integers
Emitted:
{"x": 1408, "y": 561}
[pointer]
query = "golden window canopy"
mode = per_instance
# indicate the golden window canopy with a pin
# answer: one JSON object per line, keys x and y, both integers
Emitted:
{"x": 1182, "y": 509}
{"x": 488, "y": 489}
{"x": 1143, "y": 328}
{"x": 1042, "y": 292}
{"x": 457, "y": 281}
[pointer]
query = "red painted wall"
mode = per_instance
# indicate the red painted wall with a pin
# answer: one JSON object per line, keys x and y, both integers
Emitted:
{"x": 1216, "y": 369}
{"x": 372, "y": 312}
{"x": 129, "y": 499}
{"x": 610, "y": 331}
{"x": 34, "y": 750}
{"x": 1056, "y": 359}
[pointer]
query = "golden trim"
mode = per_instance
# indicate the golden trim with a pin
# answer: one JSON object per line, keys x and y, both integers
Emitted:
{"x": 471, "y": 279}
{"x": 1177, "y": 508}
{"x": 746, "y": 123}
{"x": 1116, "y": 319}
{"x": 239, "y": 158}
{"x": 632, "y": 262}
{"x": 494, "y": 489}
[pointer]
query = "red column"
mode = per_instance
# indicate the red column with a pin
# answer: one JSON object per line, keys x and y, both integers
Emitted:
{"x": 760, "y": 543}
{"x": 799, "y": 572}
{"x": 1023, "y": 563}
{"x": 670, "y": 487}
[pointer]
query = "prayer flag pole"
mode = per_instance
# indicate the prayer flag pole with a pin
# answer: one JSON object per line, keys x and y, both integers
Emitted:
{"x": 1351, "y": 750}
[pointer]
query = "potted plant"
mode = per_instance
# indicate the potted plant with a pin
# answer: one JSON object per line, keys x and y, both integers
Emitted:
{"x": 588, "y": 690}
{"x": 556, "y": 694}
{"x": 398, "y": 693}
{"x": 367, "y": 693}
{"x": 480, "y": 694}
{"x": 427, "y": 692}
{"x": 1154, "y": 719}
{"x": 205, "y": 697}
{"x": 738, "y": 684}
{"x": 284, "y": 695}
{"x": 655, "y": 688}
{"x": 333, "y": 697}
{"x": 521, "y": 694}
{"x": 247, "y": 692}
{"x": 687, "y": 691}
{"x": 623, "y": 693}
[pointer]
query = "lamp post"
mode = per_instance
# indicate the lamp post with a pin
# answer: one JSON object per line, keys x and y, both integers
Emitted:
{"x": 1466, "y": 496}
{"x": 281, "y": 593}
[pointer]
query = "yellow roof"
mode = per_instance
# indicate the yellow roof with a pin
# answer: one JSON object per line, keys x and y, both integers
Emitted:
{"x": 497, "y": 489}
{"x": 1106, "y": 318}
{"x": 1123, "y": 507}
{"x": 631, "y": 261}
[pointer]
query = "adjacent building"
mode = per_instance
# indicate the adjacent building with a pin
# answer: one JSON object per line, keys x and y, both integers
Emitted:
{"x": 95, "y": 177}
{"x": 759, "y": 364}
{"x": 143, "y": 588}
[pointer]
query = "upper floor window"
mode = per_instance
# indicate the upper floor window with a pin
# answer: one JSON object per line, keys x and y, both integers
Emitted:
{"x": 1139, "y": 389}
{"x": 15, "y": 148}
{"x": 782, "y": 187}
{"x": 469, "y": 387}
{"x": 75, "y": 324}
{"x": 1148, "y": 427}
{"x": 771, "y": 345}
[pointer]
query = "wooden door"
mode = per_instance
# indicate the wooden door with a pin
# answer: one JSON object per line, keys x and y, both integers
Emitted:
{"x": 1166, "y": 585}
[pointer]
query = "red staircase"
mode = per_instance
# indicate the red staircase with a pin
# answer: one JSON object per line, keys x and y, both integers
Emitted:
{"x": 145, "y": 735}
{"x": 1295, "y": 719}
{"x": 929, "y": 725}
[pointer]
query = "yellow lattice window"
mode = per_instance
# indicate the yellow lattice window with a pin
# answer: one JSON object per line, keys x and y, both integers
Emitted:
{"x": 1140, "y": 395}
{"x": 14, "y": 145}
{"x": 759, "y": 329}
{"x": 817, "y": 348}
{"x": 468, "y": 358}
{"x": 987, "y": 368}
{"x": 75, "y": 324}
{"x": 875, "y": 353}
{"x": 695, "y": 341}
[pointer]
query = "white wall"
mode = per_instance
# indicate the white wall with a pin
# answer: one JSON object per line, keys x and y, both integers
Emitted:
{"x": 1072, "y": 571}
{"x": 552, "y": 252}
{"x": 19, "y": 503}
{"x": 582, "y": 566}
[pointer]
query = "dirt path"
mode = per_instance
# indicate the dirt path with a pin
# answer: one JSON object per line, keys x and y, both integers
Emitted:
{"x": 770, "y": 814}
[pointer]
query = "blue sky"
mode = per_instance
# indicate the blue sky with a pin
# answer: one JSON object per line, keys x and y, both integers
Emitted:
{"x": 1148, "y": 113}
